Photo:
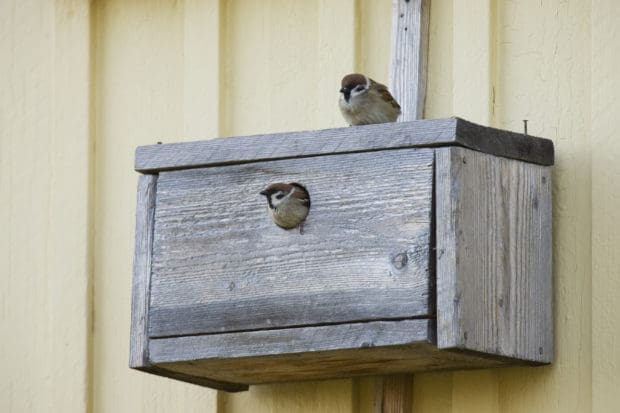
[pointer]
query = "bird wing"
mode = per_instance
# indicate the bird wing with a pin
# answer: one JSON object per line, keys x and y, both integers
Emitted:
{"x": 301, "y": 193}
{"x": 385, "y": 94}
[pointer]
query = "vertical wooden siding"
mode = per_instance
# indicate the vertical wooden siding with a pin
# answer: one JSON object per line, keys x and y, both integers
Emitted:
{"x": 605, "y": 148}
{"x": 146, "y": 89}
{"x": 174, "y": 70}
{"x": 45, "y": 206}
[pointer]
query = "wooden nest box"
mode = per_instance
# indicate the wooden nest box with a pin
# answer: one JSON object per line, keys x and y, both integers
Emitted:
{"x": 427, "y": 247}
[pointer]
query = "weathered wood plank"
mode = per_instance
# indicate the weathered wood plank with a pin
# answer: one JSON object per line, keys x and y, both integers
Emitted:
{"x": 312, "y": 353}
{"x": 139, "y": 341}
{"x": 504, "y": 143}
{"x": 410, "y": 22}
{"x": 494, "y": 290}
{"x": 292, "y": 340}
{"x": 220, "y": 264}
{"x": 410, "y": 26}
{"x": 145, "y": 211}
{"x": 285, "y": 309}
{"x": 194, "y": 379}
{"x": 420, "y": 357}
{"x": 422, "y": 133}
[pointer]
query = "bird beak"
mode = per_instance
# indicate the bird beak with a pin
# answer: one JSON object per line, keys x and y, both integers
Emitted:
{"x": 343, "y": 90}
{"x": 264, "y": 192}
{"x": 347, "y": 93}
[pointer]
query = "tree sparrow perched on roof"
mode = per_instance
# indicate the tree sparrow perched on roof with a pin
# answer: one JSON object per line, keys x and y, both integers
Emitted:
{"x": 364, "y": 101}
{"x": 288, "y": 204}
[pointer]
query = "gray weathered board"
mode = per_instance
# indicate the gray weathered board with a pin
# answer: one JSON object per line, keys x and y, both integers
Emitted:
{"x": 500, "y": 209}
{"x": 410, "y": 23}
{"x": 224, "y": 298}
{"x": 419, "y": 133}
{"x": 310, "y": 353}
{"x": 409, "y": 52}
{"x": 139, "y": 357}
{"x": 221, "y": 265}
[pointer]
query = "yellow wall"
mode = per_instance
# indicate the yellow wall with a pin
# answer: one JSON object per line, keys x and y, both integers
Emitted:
{"x": 82, "y": 84}
{"x": 46, "y": 208}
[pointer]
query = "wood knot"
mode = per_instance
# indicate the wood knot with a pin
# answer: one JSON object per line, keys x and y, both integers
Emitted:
{"x": 399, "y": 261}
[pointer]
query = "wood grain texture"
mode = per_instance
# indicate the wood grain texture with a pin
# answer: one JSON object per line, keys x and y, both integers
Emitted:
{"x": 194, "y": 379}
{"x": 408, "y": 60}
{"x": 145, "y": 211}
{"x": 139, "y": 341}
{"x": 410, "y": 23}
{"x": 421, "y": 133}
{"x": 394, "y": 394}
{"x": 281, "y": 308}
{"x": 504, "y": 143}
{"x": 293, "y": 340}
{"x": 310, "y": 353}
{"x": 321, "y": 365}
{"x": 220, "y": 264}
{"x": 494, "y": 290}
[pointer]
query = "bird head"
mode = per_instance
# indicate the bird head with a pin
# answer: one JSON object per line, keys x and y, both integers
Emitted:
{"x": 353, "y": 85}
{"x": 276, "y": 194}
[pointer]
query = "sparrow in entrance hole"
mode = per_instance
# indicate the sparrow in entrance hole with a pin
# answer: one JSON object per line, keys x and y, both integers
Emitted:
{"x": 288, "y": 204}
{"x": 364, "y": 101}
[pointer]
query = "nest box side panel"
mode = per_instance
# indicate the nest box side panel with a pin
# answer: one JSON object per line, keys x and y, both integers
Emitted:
{"x": 494, "y": 292}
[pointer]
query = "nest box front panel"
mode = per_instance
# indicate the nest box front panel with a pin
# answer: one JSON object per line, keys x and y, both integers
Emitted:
{"x": 221, "y": 265}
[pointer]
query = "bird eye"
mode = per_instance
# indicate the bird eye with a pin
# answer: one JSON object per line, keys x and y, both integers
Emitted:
{"x": 280, "y": 195}
{"x": 359, "y": 88}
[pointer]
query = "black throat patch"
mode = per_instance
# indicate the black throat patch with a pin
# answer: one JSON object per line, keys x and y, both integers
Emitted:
{"x": 347, "y": 94}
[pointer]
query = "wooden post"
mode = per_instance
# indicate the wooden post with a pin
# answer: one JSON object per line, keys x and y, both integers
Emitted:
{"x": 410, "y": 22}
{"x": 394, "y": 394}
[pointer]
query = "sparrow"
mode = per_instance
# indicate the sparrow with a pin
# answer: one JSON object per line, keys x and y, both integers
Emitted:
{"x": 288, "y": 204}
{"x": 364, "y": 101}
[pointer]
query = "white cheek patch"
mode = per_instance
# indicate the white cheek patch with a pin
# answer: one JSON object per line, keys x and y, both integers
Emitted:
{"x": 356, "y": 93}
{"x": 277, "y": 202}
